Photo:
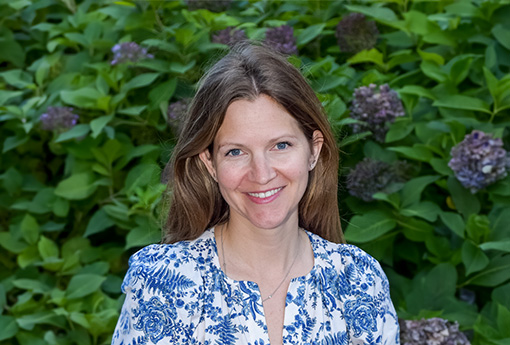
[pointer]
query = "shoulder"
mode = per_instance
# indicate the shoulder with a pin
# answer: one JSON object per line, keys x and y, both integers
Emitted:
{"x": 351, "y": 262}
{"x": 158, "y": 265}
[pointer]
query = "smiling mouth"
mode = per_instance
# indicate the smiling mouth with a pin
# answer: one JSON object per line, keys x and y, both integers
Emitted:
{"x": 266, "y": 194}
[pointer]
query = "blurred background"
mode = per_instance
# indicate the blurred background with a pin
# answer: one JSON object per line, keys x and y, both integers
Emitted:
{"x": 92, "y": 94}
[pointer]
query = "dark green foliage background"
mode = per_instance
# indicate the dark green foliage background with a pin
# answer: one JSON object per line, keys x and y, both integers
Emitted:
{"x": 74, "y": 205}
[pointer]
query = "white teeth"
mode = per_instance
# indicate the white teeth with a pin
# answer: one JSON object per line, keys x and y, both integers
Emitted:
{"x": 266, "y": 194}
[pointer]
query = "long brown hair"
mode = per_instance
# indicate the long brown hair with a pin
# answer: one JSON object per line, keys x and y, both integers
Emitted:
{"x": 247, "y": 71}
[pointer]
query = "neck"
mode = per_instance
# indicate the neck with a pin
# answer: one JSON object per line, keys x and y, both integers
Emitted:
{"x": 258, "y": 251}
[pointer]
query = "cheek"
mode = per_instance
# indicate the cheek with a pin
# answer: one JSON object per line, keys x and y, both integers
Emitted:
{"x": 230, "y": 175}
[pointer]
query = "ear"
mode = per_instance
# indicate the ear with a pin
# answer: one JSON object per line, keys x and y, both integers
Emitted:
{"x": 317, "y": 141}
{"x": 205, "y": 157}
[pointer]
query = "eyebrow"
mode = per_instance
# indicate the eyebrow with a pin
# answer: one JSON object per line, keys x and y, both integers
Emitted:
{"x": 274, "y": 140}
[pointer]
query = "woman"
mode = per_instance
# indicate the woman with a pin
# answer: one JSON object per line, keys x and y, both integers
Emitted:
{"x": 252, "y": 254}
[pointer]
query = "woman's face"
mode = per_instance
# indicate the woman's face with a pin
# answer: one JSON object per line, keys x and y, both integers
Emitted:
{"x": 261, "y": 161}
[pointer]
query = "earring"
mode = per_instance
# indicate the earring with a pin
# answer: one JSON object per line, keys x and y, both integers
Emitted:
{"x": 312, "y": 165}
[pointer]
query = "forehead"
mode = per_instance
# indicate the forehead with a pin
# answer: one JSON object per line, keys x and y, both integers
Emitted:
{"x": 259, "y": 119}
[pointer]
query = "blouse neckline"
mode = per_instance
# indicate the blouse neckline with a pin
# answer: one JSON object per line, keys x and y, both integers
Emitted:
{"x": 216, "y": 261}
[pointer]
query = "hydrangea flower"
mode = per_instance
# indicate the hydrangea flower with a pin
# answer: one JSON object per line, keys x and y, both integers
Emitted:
{"x": 176, "y": 112}
{"x": 371, "y": 176}
{"x": 58, "y": 118}
{"x": 282, "y": 39}
{"x": 479, "y": 160}
{"x": 229, "y": 36}
{"x": 435, "y": 331}
{"x": 377, "y": 109}
{"x": 354, "y": 33}
{"x": 129, "y": 52}
{"x": 211, "y": 5}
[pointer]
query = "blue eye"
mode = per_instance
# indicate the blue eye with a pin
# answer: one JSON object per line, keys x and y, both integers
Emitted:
{"x": 283, "y": 145}
{"x": 233, "y": 152}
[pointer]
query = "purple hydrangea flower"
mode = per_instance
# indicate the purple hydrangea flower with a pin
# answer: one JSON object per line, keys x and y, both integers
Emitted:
{"x": 479, "y": 160}
{"x": 282, "y": 39}
{"x": 376, "y": 109}
{"x": 435, "y": 331}
{"x": 370, "y": 176}
{"x": 211, "y": 5}
{"x": 176, "y": 112}
{"x": 229, "y": 36}
{"x": 354, "y": 33}
{"x": 58, "y": 118}
{"x": 129, "y": 52}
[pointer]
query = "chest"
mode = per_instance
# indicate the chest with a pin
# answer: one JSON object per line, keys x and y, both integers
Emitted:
{"x": 298, "y": 315}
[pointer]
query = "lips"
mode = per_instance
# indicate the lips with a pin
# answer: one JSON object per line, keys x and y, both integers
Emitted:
{"x": 267, "y": 194}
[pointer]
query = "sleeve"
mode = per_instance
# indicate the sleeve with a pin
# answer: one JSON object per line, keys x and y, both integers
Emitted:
{"x": 156, "y": 289}
{"x": 369, "y": 312}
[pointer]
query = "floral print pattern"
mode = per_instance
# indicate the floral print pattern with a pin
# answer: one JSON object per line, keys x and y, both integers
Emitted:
{"x": 178, "y": 294}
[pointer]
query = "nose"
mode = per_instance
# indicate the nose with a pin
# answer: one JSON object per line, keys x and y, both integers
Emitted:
{"x": 262, "y": 169}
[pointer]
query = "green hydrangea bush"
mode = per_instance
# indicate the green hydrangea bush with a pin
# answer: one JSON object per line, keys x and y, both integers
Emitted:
{"x": 91, "y": 98}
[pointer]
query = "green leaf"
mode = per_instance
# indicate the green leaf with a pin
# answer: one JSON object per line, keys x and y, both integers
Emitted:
{"x": 478, "y": 228}
{"x": 76, "y": 187}
{"x": 309, "y": 34}
{"x": 139, "y": 81}
{"x": 163, "y": 92}
{"x": 433, "y": 71}
{"x": 82, "y": 285}
{"x": 372, "y": 55}
{"x": 426, "y": 210}
{"x": 502, "y": 34}
{"x": 412, "y": 190}
{"x": 33, "y": 285}
{"x": 454, "y": 222}
{"x": 463, "y": 102}
{"x": 497, "y": 272}
{"x": 459, "y": 68}
{"x": 99, "y": 222}
{"x": 501, "y": 295}
{"x": 464, "y": 201}
{"x": 399, "y": 130}
{"x": 432, "y": 290}
{"x": 147, "y": 232}
{"x": 417, "y": 152}
{"x": 474, "y": 258}
{"x": 11, "y": 244}
{"x": 393, "y": 199}
{"x": 441, "y": 166}
{"x": 133, "y": 111}
{"x": 14, "y": 141}
{"x": 382, "y": 13}
{"x": 416, "y": 229}
{"x": 8, "y": 327}
{"x": 12, "y": 52}
{"x": 47, "y": 248}
{"x": 369, "y": 226}
{"x": 502, "y": 187}
{"x": 82, "y": 98}
{"x": 417, "y": 91}
{"x": 180, "y": 68}
{"x": 77, "y": 131}
{"x": 99, "y": 123}
{"x": 142, "y": 175}
{"x": 29, "y": 229}
{"x": 503, "y": 246}
{"x": 29, "y": 321}
{"x": 353, "y": 138}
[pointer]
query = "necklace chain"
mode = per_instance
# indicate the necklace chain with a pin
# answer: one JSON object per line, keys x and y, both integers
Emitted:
{"x": 279, "y": 285}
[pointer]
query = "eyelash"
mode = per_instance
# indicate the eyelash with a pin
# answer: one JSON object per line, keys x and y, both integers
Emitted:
{"x": 229, "y": 152}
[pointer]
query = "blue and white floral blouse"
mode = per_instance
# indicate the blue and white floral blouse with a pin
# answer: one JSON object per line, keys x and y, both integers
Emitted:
{"x": 178, "y": 294}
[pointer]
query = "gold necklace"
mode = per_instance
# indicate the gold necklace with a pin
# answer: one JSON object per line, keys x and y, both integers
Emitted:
{"x": 284, "y": 278}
